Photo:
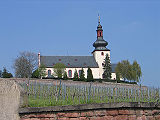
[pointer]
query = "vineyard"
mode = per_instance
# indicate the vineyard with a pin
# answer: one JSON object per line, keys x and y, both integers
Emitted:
{"x": 48, "y": 94}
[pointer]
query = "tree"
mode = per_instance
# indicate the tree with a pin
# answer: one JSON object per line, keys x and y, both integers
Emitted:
{"x": 25, "y": 64}
{"x": 118, "y": 71}
{"x": 107, "y": 67}
{"x": 6, "y": 74}
{"x": 123, "y": 70}
{"x": 65, "y": 77}
{"x": 136, "y": 71}
{"x": 59, "y": 69}
{"x": 128, "y": 71}
{"x": 75, "y": 75}
{"x": 82, "y": 75}
{"x": 129, "y": 74}
{"x": 117, "y": 76}
{"x": 40, "y": 72}
{"x": 35, "y": 74}
{"x": 89, "y": 75}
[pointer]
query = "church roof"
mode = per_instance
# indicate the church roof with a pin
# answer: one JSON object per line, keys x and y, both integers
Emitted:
{"x": 70, "y": 61}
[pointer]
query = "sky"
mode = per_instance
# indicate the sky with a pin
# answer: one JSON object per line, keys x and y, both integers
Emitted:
{"x": 68, "y": 27}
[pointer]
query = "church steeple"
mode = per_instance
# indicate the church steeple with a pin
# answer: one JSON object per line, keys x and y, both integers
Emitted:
{"x": 100, "y": 43}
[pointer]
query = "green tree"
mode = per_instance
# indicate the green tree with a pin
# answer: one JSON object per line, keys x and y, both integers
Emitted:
{"x": 6, "y": 74}
{"x": 40, "y": 72}
{"x": 82, "y": 75}
{"x": 75, "y": 75}
{"x": 89, "y": 75}
{"x": 107, "y": 67}
{"x": 118, "y": 71}
{"x": 35, "y": 74}
{"x": 59, "y": 69}
{"x": 128, "y": 71}
{"x": 136, "y": 71}
{"x": 65, "y": 77}
{"x": 117, "y": 76}
{"x": 123, "y": 69}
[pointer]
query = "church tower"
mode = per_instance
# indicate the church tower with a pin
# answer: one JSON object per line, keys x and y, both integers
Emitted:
{"x": 100, "y": 50}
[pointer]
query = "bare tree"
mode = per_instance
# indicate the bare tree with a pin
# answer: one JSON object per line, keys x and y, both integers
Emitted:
{"x": 25, "y": 64}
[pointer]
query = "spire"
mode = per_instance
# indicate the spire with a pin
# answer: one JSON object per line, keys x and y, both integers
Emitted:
{"x": 100, "y": 43}
{"x": 99, "y": 25}
{"x": 98, "y": 19}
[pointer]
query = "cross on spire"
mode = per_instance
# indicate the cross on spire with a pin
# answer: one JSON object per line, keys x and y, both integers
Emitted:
{"x": 98, "y": 18}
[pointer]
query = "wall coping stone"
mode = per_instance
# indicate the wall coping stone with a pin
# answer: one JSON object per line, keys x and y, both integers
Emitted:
{"x": 83, "y": 107}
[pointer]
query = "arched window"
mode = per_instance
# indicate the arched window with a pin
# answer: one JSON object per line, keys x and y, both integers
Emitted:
{"x": 70, "y": 73}
{"x": 100, "y": 33}
{"x": 49, "y": 73}
{"x": 79, "y": 72}
{"x": 102, "y": 53}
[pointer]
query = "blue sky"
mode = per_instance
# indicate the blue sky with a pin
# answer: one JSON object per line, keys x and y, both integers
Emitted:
{"x": 61, "y": 27}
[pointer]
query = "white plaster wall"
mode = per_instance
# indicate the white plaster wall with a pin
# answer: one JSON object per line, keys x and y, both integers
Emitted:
{"x": 100, "y": 59}
{"x": 95, "y": 71}
{"x": 47, "y": 71}
{"x": 113, "y": 76}
{"x": 73, "y": 70}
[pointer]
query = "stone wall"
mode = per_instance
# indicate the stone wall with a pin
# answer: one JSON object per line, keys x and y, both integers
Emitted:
{"x": 11, "y": 94}
{"x": 112, "y": 111}
{"x": 9, "y": 100}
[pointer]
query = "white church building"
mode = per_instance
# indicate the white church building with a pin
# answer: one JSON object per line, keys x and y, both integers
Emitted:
{"x": 72, "y": 63}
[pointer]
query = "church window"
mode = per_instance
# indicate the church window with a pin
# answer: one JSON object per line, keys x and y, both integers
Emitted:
{"x": 70, "y": 73}
{"x": 79, "y": 72}
{"x": 102, "y": 53}
{"x": 49, "y": 73}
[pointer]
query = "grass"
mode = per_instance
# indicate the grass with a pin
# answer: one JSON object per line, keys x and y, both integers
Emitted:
{"x": 42, "y": 95}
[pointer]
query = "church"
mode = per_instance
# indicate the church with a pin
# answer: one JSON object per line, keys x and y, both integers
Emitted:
{"x": 72, "y": 63}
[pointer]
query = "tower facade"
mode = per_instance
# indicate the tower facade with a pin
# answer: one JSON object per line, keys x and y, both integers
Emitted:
{"x": 100, "y": 50}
